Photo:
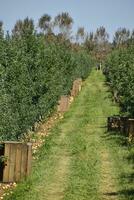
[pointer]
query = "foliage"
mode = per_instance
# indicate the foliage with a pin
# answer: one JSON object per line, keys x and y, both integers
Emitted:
{"x": 64, "y": 22}
{"x": 45, "y": 23}
{"x": 97, "y": 43}
{"x": 119, "y": 71}
{"x": 121, "y": 37}
{"x": 80, "y": 35}
{"x": 23, "y": 27}
{"x": 101, "y": 36}
{"x": 3, "y": 159}
{"x": 34, "y": 73}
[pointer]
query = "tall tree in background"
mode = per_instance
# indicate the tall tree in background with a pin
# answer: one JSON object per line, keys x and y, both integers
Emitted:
{"x": 28, "y": 26}
{"x": 17, "y": 30}
{"x": 45, "y": 23}
{"x": 132, "y": 38}
{"x": 1, "y": 29}
{"x": 23, "y": 27}
{"x": 121, "y": 37}
{"x": 80, "y": 35}
{"x": 101, "y": 36}
{"x": 89, "y": 42}
{"x": 64, "y": 22}
{"x": 132, "y": 35}
{"x": 101, "y": 42}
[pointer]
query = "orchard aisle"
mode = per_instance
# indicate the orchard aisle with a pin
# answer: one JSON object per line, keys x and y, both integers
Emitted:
{"x": 75, "y": 162}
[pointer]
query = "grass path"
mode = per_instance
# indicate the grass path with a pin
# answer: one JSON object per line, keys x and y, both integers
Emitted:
{"x": 78, "y": 160}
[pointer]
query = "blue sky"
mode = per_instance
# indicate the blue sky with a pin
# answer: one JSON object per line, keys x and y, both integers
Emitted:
{"x": 88, "y": 13}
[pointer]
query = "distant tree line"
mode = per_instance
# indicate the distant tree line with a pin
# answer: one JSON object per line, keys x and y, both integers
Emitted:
{"x": 96, "y": 43}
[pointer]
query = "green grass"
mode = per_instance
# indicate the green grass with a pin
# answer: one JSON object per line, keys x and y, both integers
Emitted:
{"x": 122, "y": 155}
{"x": 79, "y": 160}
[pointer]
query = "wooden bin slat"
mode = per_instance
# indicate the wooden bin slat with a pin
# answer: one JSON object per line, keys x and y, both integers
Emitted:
{"x": 24, "y": 161}
{"x": 12, "y": 162}
{"x": 18, "y": 162}
{"x": 29, "y": 158}
{"x": 131, "y": 129}
{"x": 124, "y": 125}
{"x": 6, "y": 168}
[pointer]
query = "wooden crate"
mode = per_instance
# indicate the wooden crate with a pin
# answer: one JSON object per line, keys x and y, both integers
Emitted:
{"x": 64, "y": 103}
{"x": 76, "y": 87}
{"x": 113, "y": 123}
{"x": 18, "y": 161}
{"x": 124, "y": 125}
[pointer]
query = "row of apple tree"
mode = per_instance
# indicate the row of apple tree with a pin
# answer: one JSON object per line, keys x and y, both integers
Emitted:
{"x": 34, "y": 73}
{"x": 119, "y": 71}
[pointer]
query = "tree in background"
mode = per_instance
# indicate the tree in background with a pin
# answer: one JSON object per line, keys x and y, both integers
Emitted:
{"x": 45, "y": 23}
{"x": 1, "y": 29}
{"x": 64, "y": 22}
{"x": 132, "y": 35}
{"x": 101, "y": 39}
{"x": 23, "y": 27}
{"x": 80, "y": 35}
{"x": 17, "y": 30}
{"x": 98, "y": 43}
{"x": 121, "y": 37}
{"x": 89, "y": 42}
{"x": 130, "y": 41}
{"x": 101, "y": 35}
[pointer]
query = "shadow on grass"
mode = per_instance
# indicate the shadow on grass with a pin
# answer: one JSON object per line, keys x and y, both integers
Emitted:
{"x": 130, "y": 157}
{"x": 126, "y": 178}
{"x": 120, "y": 140}
{"x": 127, "y": 194}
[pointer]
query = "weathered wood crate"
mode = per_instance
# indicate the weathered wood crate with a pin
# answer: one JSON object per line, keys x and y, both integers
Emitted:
{"x": 124, "y": 125}
{"x": 18, "y": 161}
{"x": 64, "y": 103}
{"x": 76, "y": 87}
{"x": 131, "y": 130}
